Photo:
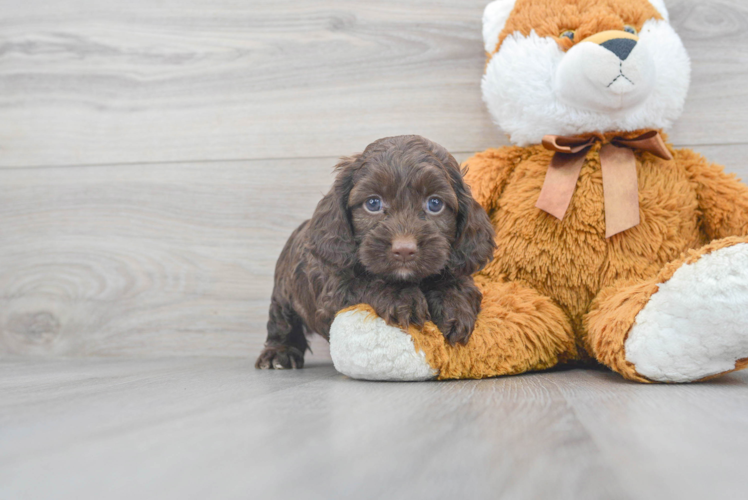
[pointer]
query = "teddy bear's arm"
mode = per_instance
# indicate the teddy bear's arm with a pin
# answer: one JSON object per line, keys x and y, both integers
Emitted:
{"x": 723, "y": 199}
{"x": 488, "y": 171}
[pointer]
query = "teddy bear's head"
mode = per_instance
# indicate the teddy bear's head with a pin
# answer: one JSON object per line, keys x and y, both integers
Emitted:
{"x": 569, "y": 67}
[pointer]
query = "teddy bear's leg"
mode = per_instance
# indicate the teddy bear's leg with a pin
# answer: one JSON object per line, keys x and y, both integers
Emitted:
{"x": 518, "y": 330}
{"x": 689, "y": 323}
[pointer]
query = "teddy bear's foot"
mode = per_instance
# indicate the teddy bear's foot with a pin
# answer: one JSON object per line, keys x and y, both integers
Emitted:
{"x": 696, "y": 325}
{"x": 363, "y": 346}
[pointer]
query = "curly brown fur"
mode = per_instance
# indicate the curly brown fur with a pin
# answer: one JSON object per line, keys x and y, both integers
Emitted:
{"x": 378, "y": 237}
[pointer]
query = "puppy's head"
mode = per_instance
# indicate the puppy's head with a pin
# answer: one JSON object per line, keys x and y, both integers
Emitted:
{"x": 402, "y": 210}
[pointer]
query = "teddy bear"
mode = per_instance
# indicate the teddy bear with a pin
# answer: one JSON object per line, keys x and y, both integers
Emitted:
{"x": 612, "y": 246}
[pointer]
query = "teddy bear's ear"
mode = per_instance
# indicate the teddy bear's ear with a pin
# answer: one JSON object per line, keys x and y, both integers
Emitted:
{"x": 494, "y": 19}
{"x": 660, "y": 6}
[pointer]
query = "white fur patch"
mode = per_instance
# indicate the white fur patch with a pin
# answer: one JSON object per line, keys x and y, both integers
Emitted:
{"x": 495, "y": 17}
{"x": 367, "y": 348}
{"x": 696, "y": 325}
{"x": 520, "y": 88}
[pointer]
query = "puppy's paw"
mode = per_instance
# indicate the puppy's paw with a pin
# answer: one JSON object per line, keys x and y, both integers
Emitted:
{"x": 456, "y": 326}
{"x": 413, "y": 306}
{"x": 280, "y": 358}
{"x": 454, "y": 310}
{"x": 405, "y": 307}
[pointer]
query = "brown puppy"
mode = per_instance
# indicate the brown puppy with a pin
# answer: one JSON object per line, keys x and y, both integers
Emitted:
{"x": 399, "y": 231}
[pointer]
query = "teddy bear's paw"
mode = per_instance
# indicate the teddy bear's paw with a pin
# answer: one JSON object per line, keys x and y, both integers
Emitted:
{"x": 696, "y": 325}
{"x": 363, "y": 346}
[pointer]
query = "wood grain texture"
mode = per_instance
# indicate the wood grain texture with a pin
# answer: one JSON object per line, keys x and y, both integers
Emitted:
{"x": 86, "y": 82}
{"x": 715, "y": 33}
{"x": 197, "y": 428}
{"x": 94, "y": 82}
{"x": 147, "y": 260}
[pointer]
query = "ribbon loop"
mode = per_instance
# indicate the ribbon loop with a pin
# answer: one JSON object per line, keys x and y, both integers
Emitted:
{"x": 571, "y": 144}
{"x": 618, "y": 164}
{"x": 651, "y": 142}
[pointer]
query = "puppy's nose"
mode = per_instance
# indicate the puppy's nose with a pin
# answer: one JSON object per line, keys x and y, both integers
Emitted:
{"x": 621, "y": 47}
{"x": 404, "y": 248}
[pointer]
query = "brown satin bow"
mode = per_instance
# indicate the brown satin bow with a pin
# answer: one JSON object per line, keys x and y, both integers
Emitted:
{"x": 618, "y": 163}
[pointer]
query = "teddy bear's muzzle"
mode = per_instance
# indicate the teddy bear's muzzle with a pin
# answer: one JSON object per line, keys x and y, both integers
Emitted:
{"x": 608, "y": 72}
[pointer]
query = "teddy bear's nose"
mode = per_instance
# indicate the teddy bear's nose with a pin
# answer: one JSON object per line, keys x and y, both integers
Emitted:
{"x": 621, "y": 47}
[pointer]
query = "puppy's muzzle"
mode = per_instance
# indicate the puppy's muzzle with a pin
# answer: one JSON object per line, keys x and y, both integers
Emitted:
{"x": 404, "y": 249}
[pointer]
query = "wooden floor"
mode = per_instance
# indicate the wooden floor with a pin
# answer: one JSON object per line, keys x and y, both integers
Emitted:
{"x": 216, "y": 428}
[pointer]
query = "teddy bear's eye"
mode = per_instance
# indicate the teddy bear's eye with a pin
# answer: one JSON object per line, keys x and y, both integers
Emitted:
{"x": 629, "y": 29}
{"x": 568, "y": 34}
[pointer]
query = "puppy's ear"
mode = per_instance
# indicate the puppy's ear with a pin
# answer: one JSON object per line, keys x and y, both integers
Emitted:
{"x": 330, "y": 229}
{"x": 475, "y": 243}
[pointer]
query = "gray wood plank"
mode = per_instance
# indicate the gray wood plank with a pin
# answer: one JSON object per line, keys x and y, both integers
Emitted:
{"x": 147, "y": 260}
{"x": 155, "y": 260}
{"x": 87, "y": 83}
{"x": 670, "y": 441}
{"x": 105, "y": 82}
{"x": 196, "y": 428}
{"x": 716, "y": 36}
{"x": 191, "y": 429}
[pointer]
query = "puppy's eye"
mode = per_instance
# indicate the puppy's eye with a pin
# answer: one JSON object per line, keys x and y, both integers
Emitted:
{"x": 629, "y": 29}
{"x": 568, "y": 34}
{"x": 373, "y": 204}
{"x": 434, "y": 205}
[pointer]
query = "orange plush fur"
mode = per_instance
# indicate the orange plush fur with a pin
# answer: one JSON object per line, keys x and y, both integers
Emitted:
{"x": 587, "y": 17}
{"x": 534, "y": 247}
